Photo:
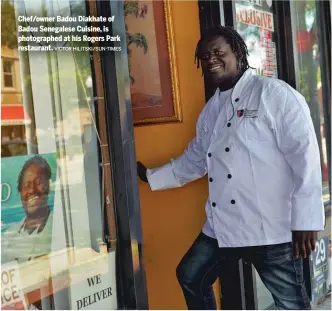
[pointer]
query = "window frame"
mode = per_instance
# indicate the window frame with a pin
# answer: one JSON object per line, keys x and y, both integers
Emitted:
{"x": 11, "y": 74}
{"x": 323, "y": 18}
{"x": 131, "y": 278}
{"x": 324, "y": 22}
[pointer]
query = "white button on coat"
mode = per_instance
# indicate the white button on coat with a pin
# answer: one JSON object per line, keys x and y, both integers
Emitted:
{"x": 273, "y": 157}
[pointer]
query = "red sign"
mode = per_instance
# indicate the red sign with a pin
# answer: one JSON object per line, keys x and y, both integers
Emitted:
{"x": 304, "y": 41}
{"x": 251, "y": 16}
{"x": 268, "y": 61}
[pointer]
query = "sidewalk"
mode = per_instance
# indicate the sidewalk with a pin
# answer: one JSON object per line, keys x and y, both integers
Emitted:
{"x": 325, "y": 304}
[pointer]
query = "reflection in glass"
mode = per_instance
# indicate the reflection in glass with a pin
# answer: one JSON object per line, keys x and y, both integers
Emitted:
{"x": 264, "y": 297}
{"x": 27, "y": 218}
{"x": 255, "y": 23}
{"x": 51, "y": 220}
{"x": 309, "y": 73}
{"x": 260, "y": 39}
{"x": 8, "y": 73}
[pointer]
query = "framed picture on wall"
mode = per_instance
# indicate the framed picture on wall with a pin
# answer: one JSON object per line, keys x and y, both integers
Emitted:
{"x": 152, "y": 64}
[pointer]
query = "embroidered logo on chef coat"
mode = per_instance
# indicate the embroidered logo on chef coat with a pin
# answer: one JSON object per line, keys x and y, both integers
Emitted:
{"x": 247, "y": 113}
{"x": 239, "y": 113}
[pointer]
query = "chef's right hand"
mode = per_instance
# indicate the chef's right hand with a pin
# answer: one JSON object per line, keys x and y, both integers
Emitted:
{"x": 141, "y": 171}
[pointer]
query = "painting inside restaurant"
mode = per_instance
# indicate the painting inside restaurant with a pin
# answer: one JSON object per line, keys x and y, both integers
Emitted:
{"x": 151, "y": 57}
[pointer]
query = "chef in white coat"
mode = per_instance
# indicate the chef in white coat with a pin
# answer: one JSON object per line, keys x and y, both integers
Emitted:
{"x": 256, "y": 141}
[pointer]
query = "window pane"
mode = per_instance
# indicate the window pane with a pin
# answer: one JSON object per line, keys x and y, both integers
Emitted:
{"x": 8, "y": 80}
{"x": 8, "y": 73}
{"x": 7, "y": 66}
{"x": 52, "y": 218}
{"x": 255, "y": 23}
{"x": 264, "y": 297}
{"x": 309, "y": 73}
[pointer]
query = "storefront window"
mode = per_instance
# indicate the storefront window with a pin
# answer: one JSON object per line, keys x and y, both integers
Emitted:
{"x": 54, "y": 253}
{"x": 309, "y": 68}
{"x": 254, "y": 20}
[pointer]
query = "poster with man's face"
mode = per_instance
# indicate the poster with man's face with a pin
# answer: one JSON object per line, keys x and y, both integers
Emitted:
{"x": 27, "y": 201}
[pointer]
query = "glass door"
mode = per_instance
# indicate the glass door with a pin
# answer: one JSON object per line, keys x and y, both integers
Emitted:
{"x": 56, "y": 194}
{"x": 310, "y": 70}
{"x": 255, "y": 22}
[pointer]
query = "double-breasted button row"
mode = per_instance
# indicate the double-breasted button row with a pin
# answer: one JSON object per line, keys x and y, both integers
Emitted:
{"x": 229, "y": 176}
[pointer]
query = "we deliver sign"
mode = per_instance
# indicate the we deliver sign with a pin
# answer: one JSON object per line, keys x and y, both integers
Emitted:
{"x": 251, "y": 16}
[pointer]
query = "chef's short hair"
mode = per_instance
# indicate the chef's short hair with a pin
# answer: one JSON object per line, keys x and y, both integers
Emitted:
{"x": 232, "y": 37}
{"x": 39, "y": 161}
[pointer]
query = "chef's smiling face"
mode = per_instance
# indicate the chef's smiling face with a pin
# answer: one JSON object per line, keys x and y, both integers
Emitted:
{"x": 219, "y": 62}
{"x": 35, "y": 189}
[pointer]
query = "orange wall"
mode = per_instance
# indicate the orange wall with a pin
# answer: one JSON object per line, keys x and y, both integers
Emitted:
{"x": 172, "y": 219}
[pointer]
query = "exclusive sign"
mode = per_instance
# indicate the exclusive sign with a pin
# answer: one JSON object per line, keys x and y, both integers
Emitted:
{"x": 251, "y": 16}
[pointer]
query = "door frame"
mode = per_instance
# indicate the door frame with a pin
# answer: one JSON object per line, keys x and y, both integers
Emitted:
{"x": 131, "y": 278}
{"x": 238, "y": 286}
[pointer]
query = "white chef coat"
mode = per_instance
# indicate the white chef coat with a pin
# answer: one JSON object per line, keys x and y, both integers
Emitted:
{"x": 262, "y": 160}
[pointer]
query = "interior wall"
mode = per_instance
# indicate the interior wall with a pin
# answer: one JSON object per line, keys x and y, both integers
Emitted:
{"x": 172, "y": 219}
